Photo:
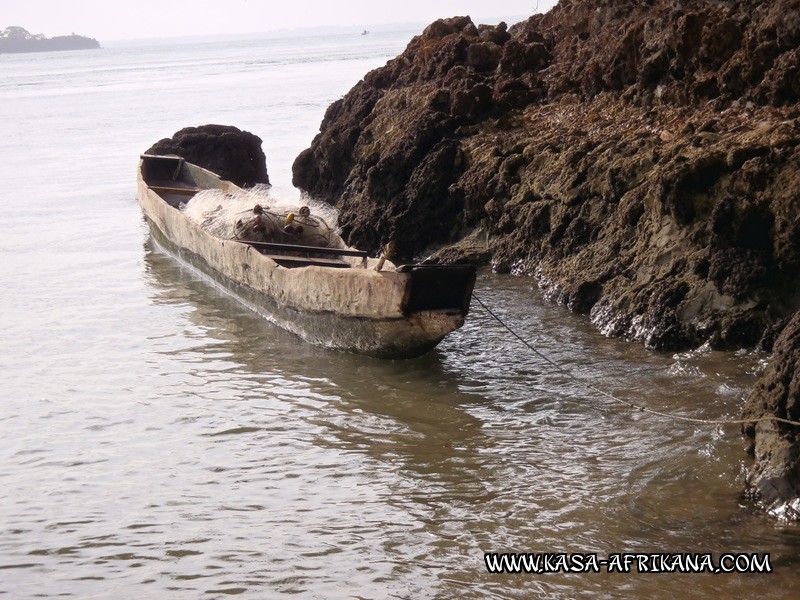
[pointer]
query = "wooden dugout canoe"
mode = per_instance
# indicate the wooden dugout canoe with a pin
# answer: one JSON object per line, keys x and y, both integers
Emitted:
{"x": 337, "y": 300}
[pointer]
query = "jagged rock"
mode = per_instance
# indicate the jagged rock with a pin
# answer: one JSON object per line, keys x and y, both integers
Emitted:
{"x": 773, "y": 479}
{"x": 519, "y": 58}
{"x": 498, "y": 34}
{"x": 229, "y": 152}
{"x": 484, "y": 56}
{"x": 583, "y": 148}
{"x": 456, "y": 25}
{"x": 471, "y": 102}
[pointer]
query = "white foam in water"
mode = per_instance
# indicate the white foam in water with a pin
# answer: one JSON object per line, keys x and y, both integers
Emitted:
{"x": 217, "y": 211}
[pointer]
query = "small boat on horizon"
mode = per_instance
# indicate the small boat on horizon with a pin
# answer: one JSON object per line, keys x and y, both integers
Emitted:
{"x": 309, "y": 281}
{"x": 365, "y": 32}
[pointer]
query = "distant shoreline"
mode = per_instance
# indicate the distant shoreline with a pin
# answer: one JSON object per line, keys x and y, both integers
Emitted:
{"x": 16, "y": 40}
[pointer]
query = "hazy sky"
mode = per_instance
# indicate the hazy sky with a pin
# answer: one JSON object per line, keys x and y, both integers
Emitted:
{"x": 133, "y": 19}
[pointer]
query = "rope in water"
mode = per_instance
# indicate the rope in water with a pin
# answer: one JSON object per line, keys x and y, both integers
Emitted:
{"x": 628, "y": 403}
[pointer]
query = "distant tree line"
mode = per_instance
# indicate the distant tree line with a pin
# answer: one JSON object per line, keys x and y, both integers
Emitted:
{"x": 17, "y": 39}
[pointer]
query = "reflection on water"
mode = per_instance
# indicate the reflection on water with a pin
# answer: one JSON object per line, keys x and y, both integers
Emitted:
{"x": 227, "y": 457}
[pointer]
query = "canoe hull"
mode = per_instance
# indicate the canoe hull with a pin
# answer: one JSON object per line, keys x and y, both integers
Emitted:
{"x": 356, "y": 309}
{"x": 392, "y": 338}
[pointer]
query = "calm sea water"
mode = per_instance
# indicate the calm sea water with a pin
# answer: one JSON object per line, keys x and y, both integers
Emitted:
{"x": 158, "y": 440}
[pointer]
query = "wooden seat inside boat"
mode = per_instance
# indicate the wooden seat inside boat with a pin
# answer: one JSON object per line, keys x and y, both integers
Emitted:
{"x": 292, "y": 262}
{"x": 289, "y": 254}
{"x": 175, "y": 193}
{"x": 175, "y": 188}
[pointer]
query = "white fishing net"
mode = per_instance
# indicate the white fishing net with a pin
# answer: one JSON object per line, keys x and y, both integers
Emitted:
{"x": 219, "y": 212}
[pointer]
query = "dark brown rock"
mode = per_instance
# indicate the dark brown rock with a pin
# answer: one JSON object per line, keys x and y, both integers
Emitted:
{"x": 471, "y": 102}
{"x": 455, "y": 25}
{"x": 584, "y": 296}
{"x": 737, "y": 271}
{"x": 498, "y": 34}
{"x": 483, "y": 56}
{"x": 231, "y": 153}
{"x": 519, "y": 58}
{"x": 773, "y": 479}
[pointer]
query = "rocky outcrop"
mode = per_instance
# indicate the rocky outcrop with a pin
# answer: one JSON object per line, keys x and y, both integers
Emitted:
{"x": 774, "y": 479}
{"x": 640, "y": 158}
{"x": 231, "y": 153}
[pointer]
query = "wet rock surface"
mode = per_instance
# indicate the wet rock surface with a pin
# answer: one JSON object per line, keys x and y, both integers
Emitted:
{"x": 231, "y": 153}
{"x": 774, "y": 479}
{"x": 641, "y": 159}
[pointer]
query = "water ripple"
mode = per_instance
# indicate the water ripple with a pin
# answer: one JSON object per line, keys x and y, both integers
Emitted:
{"x": 160, "y": 440}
